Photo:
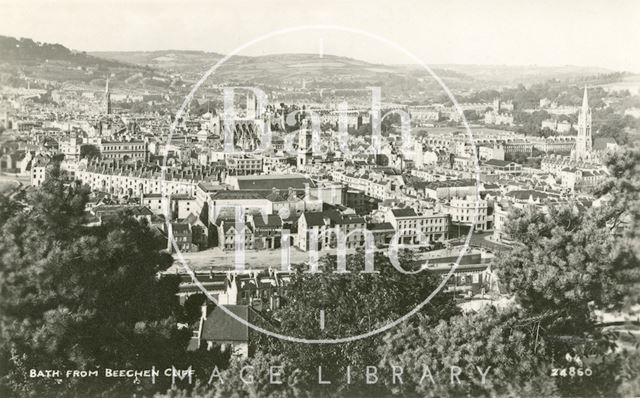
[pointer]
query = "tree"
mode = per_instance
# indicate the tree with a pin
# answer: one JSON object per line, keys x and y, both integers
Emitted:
{"x": 558, "y": 262}
{"x": 353, "y": 303}
{"x": 257, "y": 371}
{"x": 8, "y": 208}
{"x": 570, "y": 261}
{"x": 89, "y": 151}
{"x": 77, "y": 297}
{"x": 630, "y": 375}
{"x": 470, "y": 115}
{"x": 193, "y": 305}
{"x": 496, "y": 344}
{"x": 621, "y": 213}
{"x": 570, "y": 256}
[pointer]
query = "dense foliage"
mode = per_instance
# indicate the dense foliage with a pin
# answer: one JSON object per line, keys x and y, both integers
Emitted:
{"x": 75, "y": 297}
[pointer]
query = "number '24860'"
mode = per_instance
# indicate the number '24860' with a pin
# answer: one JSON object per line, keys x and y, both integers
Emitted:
{"x": 571, "y": 372}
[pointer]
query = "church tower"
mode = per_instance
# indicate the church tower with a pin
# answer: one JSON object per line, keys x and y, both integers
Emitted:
{"x": 305, "y": 147}
{"x": 252, "y": 106}
{"x": 107, "y": 98}
{"x": 584, "y": 143}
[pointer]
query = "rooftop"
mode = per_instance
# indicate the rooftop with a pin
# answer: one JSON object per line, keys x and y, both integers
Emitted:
{"x": 268, "y": 182}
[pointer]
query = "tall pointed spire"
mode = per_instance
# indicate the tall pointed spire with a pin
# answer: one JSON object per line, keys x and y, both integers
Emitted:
{"x": 585, "y": 101}
{"x": 107, "y": 98}
{"x": 584, "y": 142}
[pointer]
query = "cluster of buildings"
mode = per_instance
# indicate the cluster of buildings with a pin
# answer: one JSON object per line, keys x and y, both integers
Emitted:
{"x": 133, "y": 159}
{"x": 213, "y": 185}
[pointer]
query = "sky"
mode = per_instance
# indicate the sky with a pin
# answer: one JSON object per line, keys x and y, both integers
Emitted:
{"x": 503, "y": 32}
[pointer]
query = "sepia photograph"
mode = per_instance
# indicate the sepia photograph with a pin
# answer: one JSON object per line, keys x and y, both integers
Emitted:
{"x": 319, "y": 199}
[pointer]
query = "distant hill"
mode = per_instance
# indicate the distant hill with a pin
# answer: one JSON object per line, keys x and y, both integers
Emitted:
{"x": 46, "y": 64}
{"x": 300, "y": 64}
{"x": 293, "y": 70}
{"x": 169, "y": 60}
{"x": 23, "y": 50}
{"x": 629, "y": 82}
{"x": 278, "y": 67}
{"x": 524, "y": 74}
{"x": 174, "y": 71}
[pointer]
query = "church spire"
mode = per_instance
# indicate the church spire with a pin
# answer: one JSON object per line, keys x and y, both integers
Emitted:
{"x": 584, "y": 143}
{"x": 585, "y": 101}
{"x": 107, "y": 98}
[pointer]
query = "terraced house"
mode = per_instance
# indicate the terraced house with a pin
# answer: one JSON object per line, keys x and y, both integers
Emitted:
{"x": 321, "y": 230}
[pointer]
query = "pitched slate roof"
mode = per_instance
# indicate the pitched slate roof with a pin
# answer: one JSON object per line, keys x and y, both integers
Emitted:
{"x": 350, "y": 219}
{"x": 452, "y": 183}
{"x": 317, "y": 218}
{"x": 403, "y": 212}
{"x": 382, "y": 226}
{"x": 112, "y": 209}
{"x": 212, "y": 282}
{"x": 210, "y": 187}
{"x": 191, "y": 219}
{"x": 228, "y": 224}
{"x": 272, "y": 221}
{"x": 497, "y": 162}
{"x": 238, "y": 195}
{"x": 268, "y": 182}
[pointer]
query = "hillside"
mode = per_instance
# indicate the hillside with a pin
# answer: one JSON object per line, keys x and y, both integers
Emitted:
{"x": 168, "y": 60}
{"x": 288, "y": 68}
{"x": 294, "y": 71}
{"x": 46, "y": 64}
{"x": 511, "y": 75}
{"x": 173, "y": 71}
{"x": 27, "y": 51}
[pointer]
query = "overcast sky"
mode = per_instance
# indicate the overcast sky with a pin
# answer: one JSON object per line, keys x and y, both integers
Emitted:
{"x": 541, "y": 32}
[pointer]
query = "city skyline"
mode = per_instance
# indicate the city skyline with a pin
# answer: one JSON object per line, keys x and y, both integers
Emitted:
{"x": 481, "y": 33}
{"x": 206, "y": 198}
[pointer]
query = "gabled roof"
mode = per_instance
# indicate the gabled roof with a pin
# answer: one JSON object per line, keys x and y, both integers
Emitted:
{"x": 228, "y": 224}
{"x": 191, "y": 219}
{"x": 277, "y": 196}
{"x": 272, "y": 221}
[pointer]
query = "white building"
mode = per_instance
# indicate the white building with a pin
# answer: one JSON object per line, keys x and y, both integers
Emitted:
{"x": 434, "y": 226}
{"x": 463, "y": 212}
